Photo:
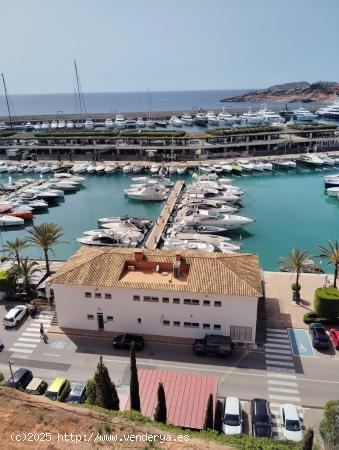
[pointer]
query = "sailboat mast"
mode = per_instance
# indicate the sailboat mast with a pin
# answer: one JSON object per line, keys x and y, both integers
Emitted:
{"x": 78, "y": 88}
{"x": 7, "y": 102}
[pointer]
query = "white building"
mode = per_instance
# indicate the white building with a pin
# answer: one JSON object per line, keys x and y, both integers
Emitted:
{"x": 158, "y": 293}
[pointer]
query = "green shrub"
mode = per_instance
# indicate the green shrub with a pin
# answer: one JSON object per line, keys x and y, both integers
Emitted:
{"x": 90, "y": 391}
{"x": 310, "y": 317}
{"x": 3, "y": 259}
{"x": 329, "y": 426}
{"x": 6, "y": 281}
{"x": 295, "y": 287}
{"x": 326, "y": 302}
{"x": 1, "y": 377}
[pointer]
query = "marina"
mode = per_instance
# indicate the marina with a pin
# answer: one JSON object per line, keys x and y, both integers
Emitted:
{"x": 290, "y": 209}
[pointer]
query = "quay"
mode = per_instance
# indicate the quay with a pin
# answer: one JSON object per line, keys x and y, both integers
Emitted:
{"x": 7, "y": 197}
{"x": 158, "y": 229}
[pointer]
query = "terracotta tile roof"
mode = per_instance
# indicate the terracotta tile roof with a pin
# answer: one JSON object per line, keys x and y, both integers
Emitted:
{"x": 214, "y": 273}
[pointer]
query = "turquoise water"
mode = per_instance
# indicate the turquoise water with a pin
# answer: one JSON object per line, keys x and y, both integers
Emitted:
{"x": 290, "y": 210}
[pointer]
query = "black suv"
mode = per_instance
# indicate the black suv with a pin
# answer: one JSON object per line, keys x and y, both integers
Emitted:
{"x": 125, "y": 341}
{"x": 20, "y": 379}
{"x": 261, "y": 418}
{"x": 320, "y": 338}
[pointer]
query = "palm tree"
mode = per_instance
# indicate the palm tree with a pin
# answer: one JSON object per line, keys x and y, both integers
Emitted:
{"x": 294, "y": 262}
{"x": 332, "y": 256}
{"x": 25, "y": 270}
{"x": 45, "y": 236}
{"x": 14, "y": 248}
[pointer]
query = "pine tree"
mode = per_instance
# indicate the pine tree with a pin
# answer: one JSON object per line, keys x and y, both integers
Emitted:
{"x": 134, "y": 382}
{"x": 160, "y": 414}
{"x": 105, "y": 393}
{"x": 208, "y": 421}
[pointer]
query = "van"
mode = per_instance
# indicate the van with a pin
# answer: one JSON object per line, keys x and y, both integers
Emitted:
{"x": 232, "y": 416}
{"x": 58, "y": 389}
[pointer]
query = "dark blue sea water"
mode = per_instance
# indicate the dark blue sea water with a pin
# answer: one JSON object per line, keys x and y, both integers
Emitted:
{"x": 112, "y": 102}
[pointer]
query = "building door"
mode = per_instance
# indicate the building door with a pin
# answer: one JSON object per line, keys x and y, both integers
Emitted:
{"x": 100, "y": 318}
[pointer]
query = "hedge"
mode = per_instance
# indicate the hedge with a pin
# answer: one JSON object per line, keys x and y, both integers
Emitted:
{"x": 313, "y": 317}
{"x": 75, "y": 134}
{"x": 315, "y": 126}
{"x": 6, "y": 281}
{"x": 326, "y": 302}
{"x": 243, "y": 130}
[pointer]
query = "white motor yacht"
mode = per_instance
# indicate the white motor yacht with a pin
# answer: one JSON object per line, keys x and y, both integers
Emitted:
{"x": 148, "y": 193}
{"x": 109, "y": 123}
{"x": 303, "y": 115}
{"x": 37, "y": 126}
{"x": 175, "y": 121}
{"x": 246, "y": 165}
{"x": 205, "y": 169}
{"x": 330, "y": 112}
{"x": 154, "y": 169}
{"x": 227, "y": 168}
{"x": 7, "y": 221}
{"x": 333, "y": 191}
{"x": 311, "y": 160}
{"x": 89, "y": 124}
{"x": 69, "y": 124}
{"x": 140, "y": 122}
{"x": 226, "y": 118}
{"x": 187, "y": 119}
{"x": 150, "y": 123}
{"x": 91, "y": 168}
{"x": 136, "y": 168}
{"x": 269, "y": 117}
{"x": 111, "y": 168}
{"x": 120, "y": 122}
{"x": 171, "y": 243}
{"x": 127, "y": 168}
{"x": 181, "y": 170}
{"x": 54, "y": 124}
{"x": 131, "y": 123}
{"x": 267, "y": 166}
{"x": 61, "y": 124}
{"x": 331, "y": 181}
{"x": 183, "y": 227}
{"x": 130, "y": 233}
{"x": 250, "y": 118}
{"x": 258, "y": 166}
{"x": 106, "y": 240}
{"x": 172, "y": 170}
{"x": 200, "y": 119}
{"x": 29, "y": 126}
{"x": 3, "y": 168}
{"x": 156, "y": 179}
{"x": 227, "y": 221}
{"x": 212, "y": 118}
{"x": 45, "y": 126}
{"x": 221, "y": 243}
{"x": 327, "y": 160}
{"x": 100, "y": 169}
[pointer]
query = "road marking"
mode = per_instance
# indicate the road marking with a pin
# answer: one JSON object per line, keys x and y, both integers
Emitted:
{"x": 280, "y": 375}
{"x": 31, "y": 334}
{"x": 28, "y": 339}
{"x": 278, "y": 405}
{"x": 19, "y": 344}
{"x": 276, "y": 350}
{"x": 300, "y": 342}
{"x": 280, "y": 369}
{"x": 279, "y": 363}
{"x": 276, "y": 330}
{"x": 283, "y": 390}
{"x": 283, "y": 335}
{"x": 277, "y": 341}
{"x": 37, "y": 325}
{"x": 16, "y": 355}
{"x": 285, "y": 397}
{"x": 282, "y": 383}
{"x": 20, "y": 350}
{"x": 50, "y": 354}
{"x": 282, "y": 357}
{"x": 284, "y": 346}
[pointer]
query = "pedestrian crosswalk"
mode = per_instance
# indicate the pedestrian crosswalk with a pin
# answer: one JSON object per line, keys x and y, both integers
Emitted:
{"x": 281, "y": 375}
{"x": 30, "y": 337}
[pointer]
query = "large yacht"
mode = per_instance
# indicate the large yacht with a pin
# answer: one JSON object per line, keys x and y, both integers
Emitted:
{"x": 250, "y": 118}
{"x": 212, "y": 118}
{"x": 330, "y": 112}
{"x": 156, "y": 192}
{"x": 200, "y": 119}
{"x": 120, "y": 122}
{"x": 311, "y": 160}
{"x": 89, "y": 124}
{"x": 269, "y": 117}
{"x": 175, "y": 121}
{"x": 226, "y": 118}
{"x": 187, "y": 119}
{"x": 303, "y": 115}
{"x": 140, "y": 122}
{"x": 109, "y": 123}
{"x": 3, "y": 126}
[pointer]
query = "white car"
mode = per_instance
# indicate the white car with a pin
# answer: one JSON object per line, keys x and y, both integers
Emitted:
{"x": 14, "y": 316}
{"x": 291, "y": 426}
{"x": 232, "y": 416}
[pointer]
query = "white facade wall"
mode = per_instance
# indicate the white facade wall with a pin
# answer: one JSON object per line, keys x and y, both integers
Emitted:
{"x": 143, "y": 317}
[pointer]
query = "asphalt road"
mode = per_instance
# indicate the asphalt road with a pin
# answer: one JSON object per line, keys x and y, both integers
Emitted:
{"x": 244, "y": 374}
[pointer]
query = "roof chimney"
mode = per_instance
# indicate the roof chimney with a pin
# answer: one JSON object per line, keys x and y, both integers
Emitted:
{"x": 178, "y": 257}
{"x": 139, "y": 255}
{"x": 177, "y": 269}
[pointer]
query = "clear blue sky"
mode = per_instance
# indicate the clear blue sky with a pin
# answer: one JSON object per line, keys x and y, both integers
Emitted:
{"x": 132, "y": 45}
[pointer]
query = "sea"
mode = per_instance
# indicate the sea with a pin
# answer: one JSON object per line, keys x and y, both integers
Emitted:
{"x": 113, "y": 102}
{"x": 291, "y": 210}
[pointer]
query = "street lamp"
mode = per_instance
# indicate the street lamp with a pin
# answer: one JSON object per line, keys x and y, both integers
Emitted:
{"x": 10, "y": 368}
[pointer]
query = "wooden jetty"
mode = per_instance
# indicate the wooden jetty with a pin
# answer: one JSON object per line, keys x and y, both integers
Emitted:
{"x": 158, "y": 229}
{"x": 6, "y": 197}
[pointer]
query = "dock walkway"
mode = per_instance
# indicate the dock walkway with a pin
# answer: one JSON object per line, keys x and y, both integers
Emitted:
{"x": 158, "y": 229}
{"x": 12, "y": 194}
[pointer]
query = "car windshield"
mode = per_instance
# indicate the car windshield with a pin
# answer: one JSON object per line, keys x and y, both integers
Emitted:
{"x": 73, "y": 399}
{"x": 261, "y": 421}
{"x": 52, "y": 395}
{"x": 232, "y": 420}
{"x": 293, "y": 425}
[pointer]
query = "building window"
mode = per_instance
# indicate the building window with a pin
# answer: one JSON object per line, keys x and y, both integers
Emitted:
{"x": 187, "y": 301}
{"x": 150, "y": 299}
{"x": 176, "y": 301}
{"x": 155, "y": 299}
{"x": 206, "y": 326}
{"x": 139, "y": 320}
{"x": 195, "y": 325}
{"x": 165, "y": 300}
{"x": 187, "y": 324}
{"x": 217, "y": 304}
{"x": 88, "y": 294}
{"x": 195, "y": 302}
{"x": 216, "y": 327}
{"x": 207, "y": 303}
{"x": 108, "y": 296}
{"x": 90, "y": 317}
{"x": 109, "y": 318}
{"x": 166, "y": 323}
{"x": 97, "y": 295}
{"x": 241, "y": 334}
{"x": 136, "y": 298}
{"x": 176, "y": 323}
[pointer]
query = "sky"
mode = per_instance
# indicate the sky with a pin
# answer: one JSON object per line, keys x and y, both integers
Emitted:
{"x": 166, "y": 45}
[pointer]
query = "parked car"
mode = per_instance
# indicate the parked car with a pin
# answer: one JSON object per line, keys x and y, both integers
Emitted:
{"x": 334, "y": 336}
{"x": 213, "y": 344}
{"x": 232, "y": 416}
{"x": 77, "y": 394}
{"x": 261, "y": 418}
{"x": 58, "y": 389}
{"x": 2, "y": 345}
{"x": 125, "y": 341}
{"x": 319, "y": 336}
{"x": 14, "y": 316}
{"x": 37, "y": 386}
{"x": 21, "y": 378}
{"x": 291, "y": 426}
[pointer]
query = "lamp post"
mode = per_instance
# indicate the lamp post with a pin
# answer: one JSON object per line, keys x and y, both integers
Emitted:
{"x": 10, "y": 368}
